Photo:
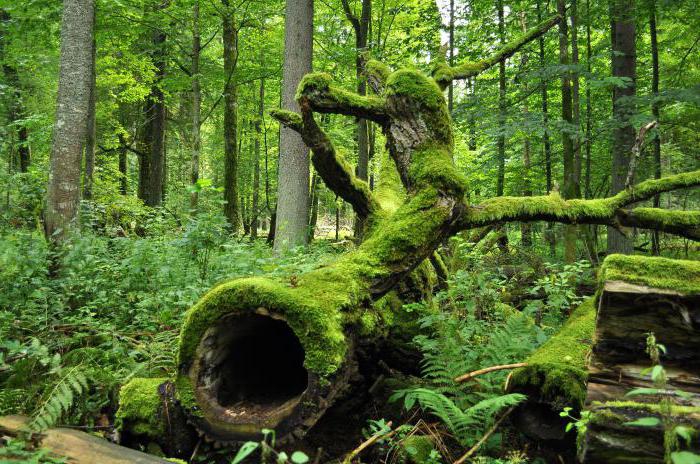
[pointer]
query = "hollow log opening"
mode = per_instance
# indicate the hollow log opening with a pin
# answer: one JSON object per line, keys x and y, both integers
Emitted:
{"x": 252, "y": 369}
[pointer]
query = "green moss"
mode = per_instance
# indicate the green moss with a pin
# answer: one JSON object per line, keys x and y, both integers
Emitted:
{"x": 322, "y": 82}
{"x": 558, "y": 368}
{"x": 307, "y": 310}
{"x": 416, "y": 449}
{"x": 377, "y": 69}
{"x": 139, "y": 407}
{"x": 620, "y": 412}
{"x": 663, "y": 273}
{"x": 669, "y": 217}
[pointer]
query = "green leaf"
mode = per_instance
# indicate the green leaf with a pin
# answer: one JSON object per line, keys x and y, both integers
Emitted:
{"x": 685, "y": 457}
{"x": 299, "y": 458}
{"x": 246, "y": 450}
{"x": 645, "y": 422}
{"x": 685, "y": 433}
{"x": 644, "y": 391}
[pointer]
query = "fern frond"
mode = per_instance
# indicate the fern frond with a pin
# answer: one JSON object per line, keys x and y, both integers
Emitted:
{"x": 59, "y": 400}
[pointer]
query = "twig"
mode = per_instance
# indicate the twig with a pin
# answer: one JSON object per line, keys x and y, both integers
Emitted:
{"x": 367, "y": 443}
{"x": 486, "y": 370}
{"x": 636, "y": 150}
{"x": 483, "y": 439}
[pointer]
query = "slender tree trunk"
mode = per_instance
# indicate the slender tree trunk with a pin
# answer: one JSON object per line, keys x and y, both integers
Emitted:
{"x": 361, "y": 27}
{"x": 63, "y": 193}
{"x": 230, "y": 33}
{"x": 500, "y": 180}
{"x": 256, "y": 157}
{"x": 91, "y": 137}
{"x": 526, "y": 228}
{"x": 293, "y": 185}
{"x": 589, "y": 107}
{"x": 655, "y": 110}
{"x": 196, "y": 103}
{"x": 123, "y": 168}
{"x": 152, "y": 169}
{"x": 16, "y": 107}
{"x": 550, "y": 236}
{"x": 624, "y": 62}
{"x": 471, "y": 85}
{"x": 313, "y": 219}
{"x": 451, "y": 54}
{"x": 569, "y": 187}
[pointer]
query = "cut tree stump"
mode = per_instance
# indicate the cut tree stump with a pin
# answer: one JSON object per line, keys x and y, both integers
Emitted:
{"x": 80, "y": 447}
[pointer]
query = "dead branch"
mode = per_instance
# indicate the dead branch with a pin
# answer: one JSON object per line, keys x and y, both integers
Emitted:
{"x": 367, "y": 443}
{"x": 637, "y": 150}
{"x": 486, "y": 370}
{"x": 483, "y": 439}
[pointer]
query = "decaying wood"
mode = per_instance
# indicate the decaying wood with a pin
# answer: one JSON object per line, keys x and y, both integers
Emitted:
{"x": 613, "y": 382}
{"x": 628, "y": 312}
{"x": 79, "y": 447}
{"x": 486, "y": 370}
{"x": 611, "y": 439}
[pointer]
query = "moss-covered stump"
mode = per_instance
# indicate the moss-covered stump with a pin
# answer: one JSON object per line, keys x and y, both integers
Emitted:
{"x": 640, "y": 295}
{"x": 612, "y": 439}
{"x": 555, "y": 377}
{"x": 149, "y": 414}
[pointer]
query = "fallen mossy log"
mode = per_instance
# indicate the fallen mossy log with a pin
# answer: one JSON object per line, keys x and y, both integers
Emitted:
{"x": 613, "y": 438}
{"x": 263, "y": 353}
{"x": 555, "y": 377}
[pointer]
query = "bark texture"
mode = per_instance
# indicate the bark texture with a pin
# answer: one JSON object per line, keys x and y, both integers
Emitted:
{"x": 63, "y": 196}
{"x": 624, "y": 63}
{"x": 293, "y": 183}
{"x": 230, "y": 35}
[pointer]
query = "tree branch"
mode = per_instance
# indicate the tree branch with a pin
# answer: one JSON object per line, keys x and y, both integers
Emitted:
{"x": 325, "y": 98}
{"x": 336, "y": 173}
{"x": 606, "y": 211}
{"x": 444, "y": 74}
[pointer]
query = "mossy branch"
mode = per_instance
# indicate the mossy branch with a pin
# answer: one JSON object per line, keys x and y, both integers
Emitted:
{"x": 326, "y": 98}
{"x": 336, "y": 173}
{"x": 445, "y": 74}
{"x": 606, "y": 211}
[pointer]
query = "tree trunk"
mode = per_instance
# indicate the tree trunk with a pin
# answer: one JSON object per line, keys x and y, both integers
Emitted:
{"x": 501, "y": 176}
{"x": 525, "y": 228}
{"x": 123, "y": 167}
{"x": 255, "y": 223}
{"x": 361, "y": 27}
{"x": 655, "y": 111}
{"x": 63, "y": 193}
{"x": 16, "y": 107}
{"x": 293, "y": 185}
{"x": 313, "y": 219}
{"x": 196, "y": 104}
{"x": 230, "y": 35}
{"x": 549, "y": 231}
{"x": 91, "y": 137}
{"x": 624, "y": 62}
{"x": 152, "y": 169}
{"x": 451, "y": 54}
{"x": 589, "y": 107}
{"x": 570, "y": 185}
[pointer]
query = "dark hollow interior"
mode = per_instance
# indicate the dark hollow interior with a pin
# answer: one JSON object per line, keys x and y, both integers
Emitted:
{"x": 263, "y": 363}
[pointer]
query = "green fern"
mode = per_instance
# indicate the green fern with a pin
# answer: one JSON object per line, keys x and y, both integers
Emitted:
{"x": 465, "y": 425}
{"x": 59, "y": 400}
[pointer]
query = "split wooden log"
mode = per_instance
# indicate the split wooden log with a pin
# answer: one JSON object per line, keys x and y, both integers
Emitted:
{"x": 78, "y": 447}
{"x": 612, "y": 438}
{"x": 639, "y": 296}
